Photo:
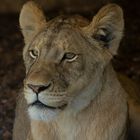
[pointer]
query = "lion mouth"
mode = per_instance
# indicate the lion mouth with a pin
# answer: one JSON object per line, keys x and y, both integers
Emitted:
{"x": 41, "y": 105}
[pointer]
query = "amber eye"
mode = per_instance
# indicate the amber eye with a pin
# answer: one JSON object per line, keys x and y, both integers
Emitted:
{"x": 33, "y": 53}
{"x": 69, "y": 56}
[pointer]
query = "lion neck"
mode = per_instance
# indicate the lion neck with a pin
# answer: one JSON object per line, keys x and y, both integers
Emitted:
{"x": 101, "y": 115}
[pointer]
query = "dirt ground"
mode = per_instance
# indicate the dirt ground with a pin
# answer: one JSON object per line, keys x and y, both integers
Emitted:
{"x": 12, "y": 68}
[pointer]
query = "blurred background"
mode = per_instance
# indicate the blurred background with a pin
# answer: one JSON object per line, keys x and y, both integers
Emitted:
{"x": 11, "y": 44}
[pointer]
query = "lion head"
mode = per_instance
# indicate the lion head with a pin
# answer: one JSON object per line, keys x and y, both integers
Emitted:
{"x": 65, "y": 58}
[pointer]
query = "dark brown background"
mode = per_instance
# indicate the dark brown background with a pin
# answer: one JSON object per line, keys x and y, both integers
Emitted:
{"x": 11, "y": 45}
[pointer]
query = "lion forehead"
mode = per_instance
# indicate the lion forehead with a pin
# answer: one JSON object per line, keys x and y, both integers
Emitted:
{"x": 62, "y": 36}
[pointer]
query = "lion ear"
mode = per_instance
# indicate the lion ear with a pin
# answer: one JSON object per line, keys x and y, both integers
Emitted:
{"x": 32, "y": 20}
{"x": 107, "y": 27}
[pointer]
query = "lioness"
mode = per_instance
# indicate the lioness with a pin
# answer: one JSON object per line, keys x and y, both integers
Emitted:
{"x": 71, "y": 91}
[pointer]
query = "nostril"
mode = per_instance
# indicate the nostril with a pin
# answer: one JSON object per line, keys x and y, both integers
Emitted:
{"x": 39, "y": 88}
{"x": 44, "y": 87}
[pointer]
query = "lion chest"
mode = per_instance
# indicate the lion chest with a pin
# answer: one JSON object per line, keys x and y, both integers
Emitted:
{"x": 88, "y": 127}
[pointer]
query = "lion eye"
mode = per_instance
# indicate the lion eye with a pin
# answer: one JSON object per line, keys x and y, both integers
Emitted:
{"x": 70, "y": 56}
{"x": 33, "y": 53}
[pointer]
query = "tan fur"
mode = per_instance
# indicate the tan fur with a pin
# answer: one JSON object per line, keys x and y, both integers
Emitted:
{"x": 32, "y": 13}
{"x": 89, "y": 101}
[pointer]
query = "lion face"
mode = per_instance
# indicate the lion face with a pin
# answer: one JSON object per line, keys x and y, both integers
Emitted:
{"x": 59, "y": 67}
{"x": 64, "y": 62}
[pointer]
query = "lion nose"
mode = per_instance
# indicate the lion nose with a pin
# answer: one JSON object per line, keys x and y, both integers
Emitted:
{"x": 38, "y": 88}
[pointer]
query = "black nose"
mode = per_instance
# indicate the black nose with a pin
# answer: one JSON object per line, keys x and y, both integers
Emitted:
{"x": 39, "y": 88}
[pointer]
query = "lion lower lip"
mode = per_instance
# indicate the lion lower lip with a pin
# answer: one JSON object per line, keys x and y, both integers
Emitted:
{"x": 40, "y": 104}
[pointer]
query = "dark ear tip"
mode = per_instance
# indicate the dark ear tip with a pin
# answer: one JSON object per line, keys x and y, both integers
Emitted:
{"x": 113, "y": 6}
{"x": 29, "y": 6}
{"x": 29, "y": 3}
{"x": 114, "y": 9}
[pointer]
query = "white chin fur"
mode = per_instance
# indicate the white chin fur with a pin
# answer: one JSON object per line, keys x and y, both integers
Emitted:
{"x": 43, "y": 114}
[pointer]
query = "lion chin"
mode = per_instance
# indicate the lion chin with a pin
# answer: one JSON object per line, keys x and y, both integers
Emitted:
{"x": 40, "y": 111}
{"x": 43, "y": 114}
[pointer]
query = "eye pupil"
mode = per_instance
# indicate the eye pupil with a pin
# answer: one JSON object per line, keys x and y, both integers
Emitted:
{"x": 69, "y": 55}
{"x": 33, "y": 53}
